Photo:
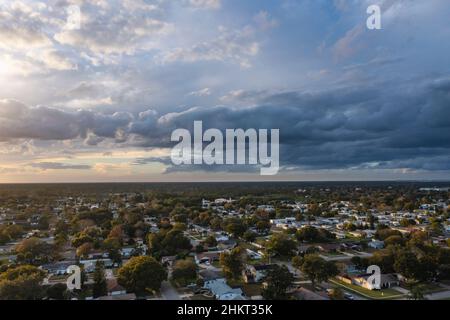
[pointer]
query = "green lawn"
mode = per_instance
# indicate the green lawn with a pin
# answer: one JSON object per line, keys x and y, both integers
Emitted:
{"x": 433, "y": 288}
{"x": 372, "y": 294}
{"x": 235, "y": 283}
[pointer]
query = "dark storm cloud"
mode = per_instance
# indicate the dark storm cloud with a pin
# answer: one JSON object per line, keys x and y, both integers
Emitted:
{"x": 386, "y": 125}
{"x": 20, "y": 121}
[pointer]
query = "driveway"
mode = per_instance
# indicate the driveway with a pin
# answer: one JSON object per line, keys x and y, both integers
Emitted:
{"x": 169, "y": 292}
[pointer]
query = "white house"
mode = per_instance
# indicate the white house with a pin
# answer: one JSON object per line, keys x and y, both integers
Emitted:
{"x": 222, "y": 291}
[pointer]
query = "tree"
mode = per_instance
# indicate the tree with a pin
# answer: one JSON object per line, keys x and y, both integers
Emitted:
{"x": 416, "y": 292}
{"x": 418, "y": 238}
{"x": 211, "y": 241}
{"x": 8, "y": 233}
{"x": 278, "y": 279}
{"x": 407, "y": 264}
{"x": 235, "y": 227}
{"x": 393, "y": 240}
{"x": 117, "y": 233}
{"x": 57, "y": 292}
{"x": 113, "y": 246}
{"x": 99, "y": 288}
{"x": 317, "y": 269}
{"x": 282, "y": 245}
{"x": 166, "y": 243}
{"x": 384, "y": 259}
{"x": 142, "y": 275}
{"x": 297, "y": 262}
{"x": 407, "y": 222}
{"x": 184, "y": 271}
{"x": 263, "y": 226}
{"x": 232, "y": 262}
{"x": 84, "y": 250}
{"x": 22, "y": 283}
{"x": 336, "y": 294}
{"x": 383, "y": 234}
{"x": 249, "y": 236}
{"x": 313, "y": 235}
{"x": 34, "y": 251}
{"x": 360, "y": 263}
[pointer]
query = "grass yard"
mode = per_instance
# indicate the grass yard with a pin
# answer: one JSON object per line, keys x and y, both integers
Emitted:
{"x": 234, "y": 283}
{"x": 433, "y": 288}
{"x": 371, "y": 294}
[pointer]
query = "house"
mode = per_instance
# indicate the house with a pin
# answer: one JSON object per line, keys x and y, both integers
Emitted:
{"x": 206, "y": 204}
{"x": 208, "y": 274}
{"x": 306, "y": 248}
{"x": 207, "y": 257}
{"x": 168, "y": 260}
{"x": 57, "y": 268}
{"x": 127, "y": 252}
{"x": 222, "y": 291}
{"x": 266, "y": 208}
{"x": 222, "y": 201}
{"x": 226, "y": 245}
{"x": 386, "y": 281}
{"x": 358, "y": 234}
{"x": 98, "y": 255}
{"x": 253, "y": 255}
{"x": 329, "y": 247}
{"x": 255, "y": 273}
{"x": 376, "y": 244}
{"x": 89, "y": 265}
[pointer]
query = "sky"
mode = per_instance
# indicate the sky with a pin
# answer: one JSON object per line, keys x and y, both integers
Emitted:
{"x": 98, "y": 103}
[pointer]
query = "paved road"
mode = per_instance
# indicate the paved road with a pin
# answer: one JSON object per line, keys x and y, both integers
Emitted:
{"x": 169, "y": 292}
{"x": 438, "y": 295}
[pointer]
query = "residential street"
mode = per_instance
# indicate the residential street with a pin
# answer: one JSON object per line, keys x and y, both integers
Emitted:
{"x": 439, "y": 295}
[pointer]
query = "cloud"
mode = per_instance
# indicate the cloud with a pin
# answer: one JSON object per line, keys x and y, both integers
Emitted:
{"x": 204, "y": 4}
{"x": 22, "y": 27}
{"x": 121, "y": 28}
{"x": 105, "y": 168}
{"x": 264, "y": 21}
{"x": 53, "y": 59}
{"x": 58, "y": 166}
{"x": 148, "y": 160}
{"x": 342, "y": 128}
{"x": 346, "y": 127}
{"x": 201, "y": 93}
{"x": 235, "y": 46}
{"x": 350, "y": 43}
{"x": 18, "y": 121}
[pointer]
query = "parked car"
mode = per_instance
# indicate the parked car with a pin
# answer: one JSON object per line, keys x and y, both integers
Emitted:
{"x": 348, "y": 296}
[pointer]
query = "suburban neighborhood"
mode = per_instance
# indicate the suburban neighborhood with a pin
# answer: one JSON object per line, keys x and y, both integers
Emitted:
{"x": 256, "y": 242}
